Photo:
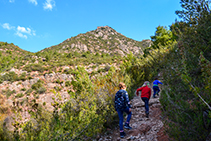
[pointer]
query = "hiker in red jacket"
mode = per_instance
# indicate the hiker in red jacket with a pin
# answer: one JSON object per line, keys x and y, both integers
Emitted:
{"x": 145, "y": 96}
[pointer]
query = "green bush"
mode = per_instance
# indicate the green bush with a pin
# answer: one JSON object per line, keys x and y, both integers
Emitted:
{"x": 11, "y": 76}
{"x": 9, "y": 51}
{"x": 57, "y": 88}
{"x": 188, "y": 65}
{"x": 38, "y": 87}
{"x": 34, "y": 67}
{"x": 8, "y": 92}
{"x": 41, "y": 90}
{"x": 29, "y": 91}
{"x": 29, "y": 77}
{"x": 23, "y": 89}
{"x": 19, "y": 95}
{"x": 23, "y": 76}
{"x": 67, "y": 83}
{"x": 58, "y": 81}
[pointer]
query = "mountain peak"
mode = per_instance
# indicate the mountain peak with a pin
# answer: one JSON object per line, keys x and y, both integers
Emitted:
{"x": 105, "y": 28}
{"x": 104, "y": 39}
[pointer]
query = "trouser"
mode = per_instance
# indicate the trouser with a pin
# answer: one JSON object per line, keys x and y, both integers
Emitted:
{"x": 146, "y": 101}
{"x": 121, "y": 119}
{"x": 156, "y": 90}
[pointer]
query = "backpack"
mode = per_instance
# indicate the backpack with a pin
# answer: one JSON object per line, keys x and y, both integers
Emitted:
{"x": 120, "y": 100}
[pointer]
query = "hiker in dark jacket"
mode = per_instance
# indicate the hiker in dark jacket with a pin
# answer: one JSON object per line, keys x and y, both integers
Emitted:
{"x": 156, "y": 87}
{"x": 122, "y": 104}
{"x": 145, "y": 96}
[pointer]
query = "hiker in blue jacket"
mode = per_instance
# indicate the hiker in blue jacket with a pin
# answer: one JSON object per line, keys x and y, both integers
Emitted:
{"x": 122, "y": 104}
{"x": 156, "y": 87}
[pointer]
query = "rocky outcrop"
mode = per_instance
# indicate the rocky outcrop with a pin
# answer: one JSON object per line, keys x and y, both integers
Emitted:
{"x": 7, "y": 125}
{"x": 51, "y": 81}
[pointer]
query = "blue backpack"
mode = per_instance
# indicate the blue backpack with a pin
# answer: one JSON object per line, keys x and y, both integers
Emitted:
{"x": 120, "y": 100}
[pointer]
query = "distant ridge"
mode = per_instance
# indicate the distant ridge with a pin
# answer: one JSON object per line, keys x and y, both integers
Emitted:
{"x": 9, "y": 48}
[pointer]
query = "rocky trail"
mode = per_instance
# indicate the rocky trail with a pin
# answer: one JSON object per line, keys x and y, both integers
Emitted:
{"x": 144, "y": 129}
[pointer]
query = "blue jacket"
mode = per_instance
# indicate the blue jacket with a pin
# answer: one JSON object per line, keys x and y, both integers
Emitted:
{"x": 122, "y": 100}
{"x": 156, "y": 82}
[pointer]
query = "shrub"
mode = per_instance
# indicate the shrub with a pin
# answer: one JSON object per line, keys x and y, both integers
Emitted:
{"x": 41, "y": 90}
{"x": 19, "y": 83}
{"x": 11, "y": 76}
{"x": 29, "y": 77}
{"x": 8, "y": 92}
{"x": 34, "y": 67}
{"x": 97, "y": 54}
{"x": 23, "y": 89}
{"x": 29, "y": 91}
{"x": 19, "y": 95}
{"x": 39, "y": 87}
{"x": 58, "y": 81}
{"x": 70, "y": 55}
{"x": 76, "y": 54}
{"x": 67, "y": 83}
{"x": 9, "y": 51}
{"x": 57, "y": 88}
{"x": 23, "y": 76}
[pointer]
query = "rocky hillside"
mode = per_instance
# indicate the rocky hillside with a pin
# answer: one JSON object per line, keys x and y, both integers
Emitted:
{"x": 102, "y": 40}
{"x": 30, "y": 78}
{"x": 24, "y": 74}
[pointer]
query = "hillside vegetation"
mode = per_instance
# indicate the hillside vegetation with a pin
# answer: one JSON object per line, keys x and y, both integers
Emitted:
{"x": 186, "y": 71}
{"x": 66, "y": 92}
{"x": 9, "y": 55}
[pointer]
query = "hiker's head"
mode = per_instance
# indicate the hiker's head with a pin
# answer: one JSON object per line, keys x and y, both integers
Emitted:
{"x": 146, "y": 83}
{"x": 156, "y": 78}
{"x": 122, "y": 85}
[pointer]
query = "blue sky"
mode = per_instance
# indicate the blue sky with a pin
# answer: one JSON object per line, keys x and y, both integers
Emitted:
{"x": 37, "y": 24}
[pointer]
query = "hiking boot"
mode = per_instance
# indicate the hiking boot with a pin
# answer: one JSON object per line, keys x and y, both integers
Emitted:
{"x": 127, "y": 126}
{"x": 154, "y": 97}
{"x": 122, "y": 134}
{"x": 147, "y": 115}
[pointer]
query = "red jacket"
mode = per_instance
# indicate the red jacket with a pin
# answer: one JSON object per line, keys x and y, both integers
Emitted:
{"x": 145, "y": 92}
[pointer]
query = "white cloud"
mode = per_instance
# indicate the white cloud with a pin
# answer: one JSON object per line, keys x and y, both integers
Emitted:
{"x": 11, "y": 1}
{"x": 21, "y": 35}
{"x": 49, "y": 4}
{"x": 33, "y": 1}
{"x": 7, "y": 26}
{"x": 19, "y": 31}
{"x": 22, "y": 32}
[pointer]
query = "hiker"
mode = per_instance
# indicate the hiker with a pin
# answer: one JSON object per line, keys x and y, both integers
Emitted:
{"x": 156, "y": 87}
{"x": 145, "y": 95}
{"x": 122, "y": 104}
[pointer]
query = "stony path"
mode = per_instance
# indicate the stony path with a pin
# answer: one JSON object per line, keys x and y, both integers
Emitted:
{"x": 144, "y": 129}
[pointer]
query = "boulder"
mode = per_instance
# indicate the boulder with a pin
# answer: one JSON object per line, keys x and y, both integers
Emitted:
{"x": 7, "y": 124}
